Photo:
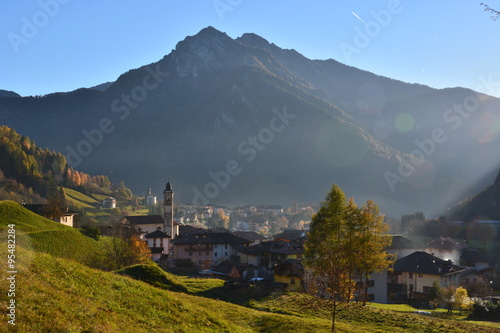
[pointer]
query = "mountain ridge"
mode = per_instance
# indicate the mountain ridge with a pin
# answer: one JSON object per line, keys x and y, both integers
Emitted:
{"x": 220, "y": 91}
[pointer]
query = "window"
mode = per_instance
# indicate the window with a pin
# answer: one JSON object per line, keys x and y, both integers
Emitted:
{"x": 427, "y": 289}
{"x": 370, "y": 297}
{"x": 371, "y": 283}
{"x": 225, "y": 246}
{"x": 225, "y": 254}
{"x": 411, "y": 287}
{"x": 154, "y": 242}
{"x": 292, "y": 281}
{"x": 420, "y": 275}
{"x": 215, "y": 254}
{"x": 410, "y": 275}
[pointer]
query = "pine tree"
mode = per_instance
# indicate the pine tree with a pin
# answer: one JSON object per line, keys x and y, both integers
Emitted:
{"x": 345, "y": 243}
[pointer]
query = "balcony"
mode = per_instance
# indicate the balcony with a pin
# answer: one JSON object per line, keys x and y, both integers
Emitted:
{"x": 201, "y": 247}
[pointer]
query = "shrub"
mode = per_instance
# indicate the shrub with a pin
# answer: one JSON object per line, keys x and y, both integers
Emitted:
{"x": 92, "y": 232}
{"x": 482, "y": 309}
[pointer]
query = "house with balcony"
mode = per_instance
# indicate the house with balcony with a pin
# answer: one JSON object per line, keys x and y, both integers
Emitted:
{"x": 412, "y": 276}
{"x": 208, "y": 246}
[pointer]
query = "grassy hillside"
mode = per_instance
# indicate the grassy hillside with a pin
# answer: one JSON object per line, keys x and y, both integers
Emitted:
{"x": 79, "y": 200}
{"x": 43, "y": 235}
{"x": 56, "y": 295}
{"x": 372, "y": 318}
{"x": 155, "y": 276}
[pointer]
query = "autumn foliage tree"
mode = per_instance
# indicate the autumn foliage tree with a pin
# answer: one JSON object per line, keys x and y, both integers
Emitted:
{"x": 344, "y": 244}
{"x": 125, "y": 248}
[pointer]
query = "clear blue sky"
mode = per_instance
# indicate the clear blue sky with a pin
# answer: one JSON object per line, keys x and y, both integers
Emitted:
{"x": 84, "y": 43}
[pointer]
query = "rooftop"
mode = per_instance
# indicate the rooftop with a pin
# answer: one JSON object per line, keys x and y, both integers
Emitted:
{"x": 425, "y": 263}
{"x": 146, "y": 219}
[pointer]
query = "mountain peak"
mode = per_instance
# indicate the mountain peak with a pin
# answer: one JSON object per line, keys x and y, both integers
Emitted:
{"x": 210, "y": 31}
{"x": 253, "y": 40}
{"x": 202, "y": 51}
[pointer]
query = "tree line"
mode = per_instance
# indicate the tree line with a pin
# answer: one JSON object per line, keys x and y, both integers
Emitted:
{"x": 30, "y": 173}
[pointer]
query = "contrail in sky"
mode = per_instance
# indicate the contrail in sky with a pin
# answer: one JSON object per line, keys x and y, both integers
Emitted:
{"x": 359, "y": 18}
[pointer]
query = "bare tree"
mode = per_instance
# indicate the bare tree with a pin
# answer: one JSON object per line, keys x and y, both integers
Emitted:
{"x": 495, "y": 14}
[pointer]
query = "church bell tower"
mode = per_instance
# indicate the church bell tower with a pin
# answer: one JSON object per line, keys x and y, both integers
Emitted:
{"x": 168, "y": 210}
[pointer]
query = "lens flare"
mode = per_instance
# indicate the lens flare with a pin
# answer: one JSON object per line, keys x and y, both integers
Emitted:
{"x": 486, "y": 128}
{"x": 404, "y": 122}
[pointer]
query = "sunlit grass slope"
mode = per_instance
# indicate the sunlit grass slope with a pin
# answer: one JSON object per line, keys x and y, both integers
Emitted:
{"x": 155, "y": 276}
{"x": 57, "y": 295}
{"x": 79, "y": 199}
{"x": 371, "y": 318}
{"x": 44, "y": 235}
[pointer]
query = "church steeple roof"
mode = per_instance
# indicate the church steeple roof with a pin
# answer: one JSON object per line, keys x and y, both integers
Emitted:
{"x": 169, "y": 187}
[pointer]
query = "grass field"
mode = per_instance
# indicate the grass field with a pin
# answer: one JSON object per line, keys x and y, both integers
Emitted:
{"x": 373, "y": 317}
{"x": 57, "y": 292}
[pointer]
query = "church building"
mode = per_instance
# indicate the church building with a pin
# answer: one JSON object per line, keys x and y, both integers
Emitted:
{"x": 157, "y": 230}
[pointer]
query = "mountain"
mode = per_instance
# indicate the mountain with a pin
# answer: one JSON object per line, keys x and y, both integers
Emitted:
{"x": 102, "y": 86}
{"x": 7, "y": 93}
{"x": 484, "y": 205}
{"x": 235, "y": 121}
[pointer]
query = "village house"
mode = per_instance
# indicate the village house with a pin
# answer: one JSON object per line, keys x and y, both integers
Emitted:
{"x": 378, "y": 284}
{"x": 475, "y": 259}
{"x": 207, "y": 246}
{"x": 402, "y": 247}
{"x": 290, "y": 274}
{"x": 109, "y": 203}
{"x": 144, "y": 224}
{"x": 66, "y": 218}
{"x": 158, "y": 243}
{"x": 412, "y": 276}
{"x": 446, "y": 248}
{"x": 269, "y": 253}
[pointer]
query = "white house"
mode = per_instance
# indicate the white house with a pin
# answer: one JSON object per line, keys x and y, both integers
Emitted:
{"x": 158, "y": 243}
